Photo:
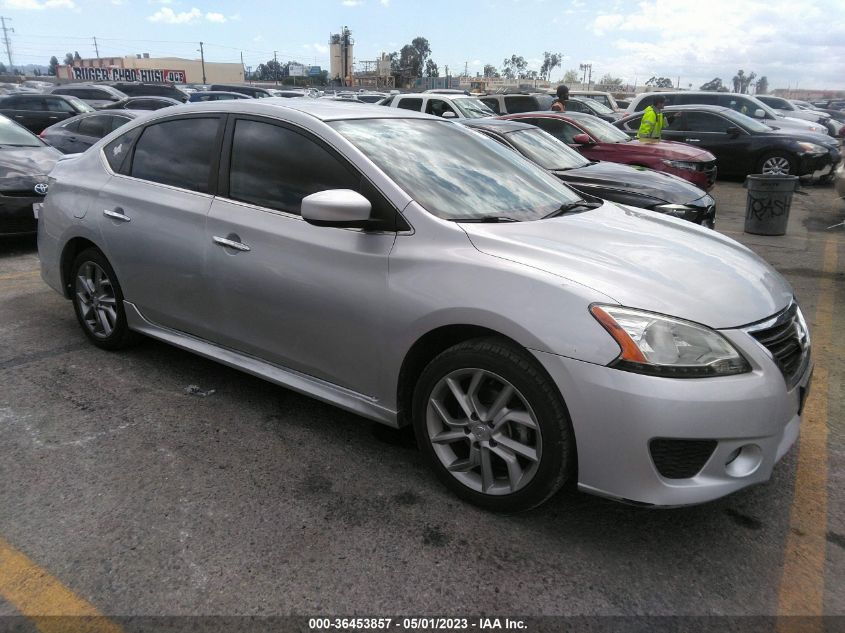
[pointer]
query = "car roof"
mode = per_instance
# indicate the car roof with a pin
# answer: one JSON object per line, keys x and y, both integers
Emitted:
{"x": 437, "y": 95}
{"x": 700, "y": 107}
{"x": 321, "y": 109}
{"x": 503, "y": 126}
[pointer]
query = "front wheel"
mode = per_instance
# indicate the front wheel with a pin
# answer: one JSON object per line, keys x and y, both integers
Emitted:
{"x": 777, "y": 163}
{"x": 493, "y": 426}
{"x": 98, "y": 302}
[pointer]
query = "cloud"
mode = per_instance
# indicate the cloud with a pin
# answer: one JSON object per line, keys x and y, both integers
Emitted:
{"x": 35, "y": 5}
{"x": 160, "y": 1}
{"x": 258, "y": 38}
{"x": 166, "y": 15}
{"x": 352, "y": 3}
{"x": 215, "y": 17}
{"x": 319, "y": 48}
{"x": 607, "y": 22}
{"x": 385, "y": 3}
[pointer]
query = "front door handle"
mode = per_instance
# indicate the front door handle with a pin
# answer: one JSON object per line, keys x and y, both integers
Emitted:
{"x": 117, "y": 214}
{"x": 224, "y": 241}
{"x": 692, "y": 140}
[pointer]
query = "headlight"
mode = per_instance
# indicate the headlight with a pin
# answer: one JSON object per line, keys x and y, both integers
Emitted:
{"x": 681, "y": 164}
{"x": 675, "y": 210}
{"x": 663, "y": 346}
{"x": 811, "y": 148}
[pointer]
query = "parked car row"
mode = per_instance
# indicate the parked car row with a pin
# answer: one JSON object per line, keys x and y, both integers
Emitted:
{"x": 429, "y": 274}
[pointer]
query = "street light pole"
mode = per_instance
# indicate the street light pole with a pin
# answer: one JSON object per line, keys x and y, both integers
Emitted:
{"x": 202, "y": 59}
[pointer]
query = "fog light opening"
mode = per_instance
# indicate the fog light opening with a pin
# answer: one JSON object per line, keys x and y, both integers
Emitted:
{"x": 744, "y": 461}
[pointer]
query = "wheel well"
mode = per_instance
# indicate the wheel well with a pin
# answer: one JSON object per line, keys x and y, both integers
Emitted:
{"x": 71, "y": 250}
{"x": 423, "y": 352}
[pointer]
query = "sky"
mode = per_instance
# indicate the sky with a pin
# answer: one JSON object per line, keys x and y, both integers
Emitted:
{"x": 794, "y": 43}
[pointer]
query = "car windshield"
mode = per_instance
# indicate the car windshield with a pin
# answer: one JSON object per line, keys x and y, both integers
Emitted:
{"x": 455, "y": 173}
{"x": 750, "y": 124}
{"x": 472, "y": 108}
{"x": 545, "y": 150}
{"x": 80, "y": 105}
{"x": 602, "y": 130}
{"x": 13, "y": 134}
{"x": 595, "y": 105}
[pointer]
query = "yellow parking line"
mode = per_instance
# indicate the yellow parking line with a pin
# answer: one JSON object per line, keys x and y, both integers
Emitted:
{"x": 802, "y": 582}
{"x": 51, "y": 606}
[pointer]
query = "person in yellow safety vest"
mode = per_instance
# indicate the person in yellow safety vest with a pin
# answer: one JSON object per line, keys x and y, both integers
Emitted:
{"x": 653, "y": 121}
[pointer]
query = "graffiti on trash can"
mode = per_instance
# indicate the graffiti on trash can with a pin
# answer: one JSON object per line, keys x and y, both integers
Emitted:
{"x": 764, "y": 208}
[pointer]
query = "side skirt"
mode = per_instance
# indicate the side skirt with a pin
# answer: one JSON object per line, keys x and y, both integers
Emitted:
{"x": 302, "y": 383}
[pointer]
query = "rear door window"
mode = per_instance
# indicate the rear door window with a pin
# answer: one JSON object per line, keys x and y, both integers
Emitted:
{"x": 520, "y": 103}
{"x": 95, "y": 126}
{"x": 704, "y": 122}
{"x": 410, "y": 104}
{"x": 438, "y": 107}
{"x": 177, "y": 153}
{"x": 558, "y": 128}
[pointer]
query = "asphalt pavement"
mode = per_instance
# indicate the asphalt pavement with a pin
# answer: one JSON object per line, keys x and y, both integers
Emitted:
{"x": 154, "y": 482}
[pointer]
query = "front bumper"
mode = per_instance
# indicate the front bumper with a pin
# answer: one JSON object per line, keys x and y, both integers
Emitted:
{"x": 16, "y": 217}
{"x": 616, "y": 415}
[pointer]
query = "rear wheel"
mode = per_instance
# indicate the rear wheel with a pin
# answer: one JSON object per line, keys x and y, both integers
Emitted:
{"x": 98, "y": 301}
{"x": 493, "y": 426}
{"x": 777, "y": 163}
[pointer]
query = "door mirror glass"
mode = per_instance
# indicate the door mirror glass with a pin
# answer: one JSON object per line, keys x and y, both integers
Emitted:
{"x": 759, "y": 113}
{"x": 582, "y": 139}
{"x": 342, "y": 208}
{"x": 449, "y": 115}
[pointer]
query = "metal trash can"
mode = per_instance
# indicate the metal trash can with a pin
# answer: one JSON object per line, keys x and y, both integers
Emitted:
{"x": 767, "y": 205}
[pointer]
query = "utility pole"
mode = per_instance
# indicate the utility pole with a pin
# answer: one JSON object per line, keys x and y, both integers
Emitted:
{"x": 96, "y": 48}
{"x": 275, "y": 68}
{"x": 466, "y": 69}
{"x": 447, "y": 75}
{"x": 202, "y": 59}
{"x": 243, "y": 68}
{"x": 6, "y": 32}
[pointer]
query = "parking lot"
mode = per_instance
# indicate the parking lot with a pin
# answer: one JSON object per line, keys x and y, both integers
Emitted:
{"x": 154, "y": 482}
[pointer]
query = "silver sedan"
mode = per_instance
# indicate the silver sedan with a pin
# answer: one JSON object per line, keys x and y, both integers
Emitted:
{"x": 414, "y": 272}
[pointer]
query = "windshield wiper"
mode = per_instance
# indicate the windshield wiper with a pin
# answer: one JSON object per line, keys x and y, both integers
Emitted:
{"x": 485, "y": 219}
{"x": 571, "y": 207}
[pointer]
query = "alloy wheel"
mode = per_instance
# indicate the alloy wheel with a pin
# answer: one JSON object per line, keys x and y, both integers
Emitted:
{"x": 483, "y": 431}
{"x": 777, "y": 165}
{"x": 96, "y": 299}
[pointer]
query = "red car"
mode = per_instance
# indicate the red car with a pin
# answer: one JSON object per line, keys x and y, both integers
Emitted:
{"x": 598, "y": 140}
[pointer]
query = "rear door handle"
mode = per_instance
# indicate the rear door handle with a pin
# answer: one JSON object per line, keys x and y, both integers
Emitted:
{"x": 223, "y": 241}
{"x": 117, "y": 214}
{"x": 692, "y": 140}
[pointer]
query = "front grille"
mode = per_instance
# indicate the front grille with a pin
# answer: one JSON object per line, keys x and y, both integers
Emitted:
{"x": 21, "y": 193}
{"x": 786, "y": 338}
{"x": 680, "y": 459}
{"x": 709, "y": 168}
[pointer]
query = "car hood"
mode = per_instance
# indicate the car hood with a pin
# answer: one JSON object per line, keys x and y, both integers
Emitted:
{"x": 667, "y": 149}
{"x": 645, "y": 260}
{"x": 640, "y": 180}
{"x": 23, "y": 163}
{"x": 795, "y": 125}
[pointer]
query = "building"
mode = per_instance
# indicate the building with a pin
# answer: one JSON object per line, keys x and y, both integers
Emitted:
{"x": 341, "y": 56}
{"x": 151, "y": 69}
{"x": 374, "y": 74}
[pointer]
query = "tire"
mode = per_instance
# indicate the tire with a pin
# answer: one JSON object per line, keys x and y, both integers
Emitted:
{"x": 498, "y": 376}
{"x": 777, "y": 163}
{"x": 98, "y": 302}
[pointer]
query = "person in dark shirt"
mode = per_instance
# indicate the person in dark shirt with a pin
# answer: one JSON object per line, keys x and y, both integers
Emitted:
{"x": 559, "y": 104}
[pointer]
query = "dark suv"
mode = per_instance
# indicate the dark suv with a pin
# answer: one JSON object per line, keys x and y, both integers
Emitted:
{"x": 96, "y": 96}
{"x": 37, "y": 111}
{"x": 138, "y": 89}
{"x": 250, "y": 91}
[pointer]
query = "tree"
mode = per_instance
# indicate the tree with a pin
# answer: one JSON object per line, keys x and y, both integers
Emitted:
{"x": 76, "y": 56}
{"x": 762, "y": 85}
{"x": 741, "y": 81}
{"x": 550, "y": 62}
{"x": 431, "y": 69}
{"x": 660, "y": 82}
{"x": 609, "y": 81}
{"x": 514, "y": 68}
{"x": 53, "y": 66}
{"x": 68, "y": 59}
{"x": 532, "y": 74}
{"x": 571, "y": 77}
{"x": 713, "y": 85}
{"x": 3, "y": 69}
{"x": 490, "y": 71}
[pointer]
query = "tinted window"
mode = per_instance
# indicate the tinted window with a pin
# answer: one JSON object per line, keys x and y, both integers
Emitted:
{"x": 518, "y": 103}
{"x": 561, "y": 130}
{"x": 275, "y": 167}
{"x": 644, "y": 103}
{"x": 118, "y": 151}
{"x": 712, "y": 99}
{"x": 704, "y": 122}
{"x": 577, "y": 106}
{"x": 492, "y": 103}
{"x": 546, "y": 150}
{"x": 13, "y": 134}
{"x": 410, "y": 104}
{"x": 177, "y": 153}
{"x": 58, "y": 105}
{"x": 437, "y": 107}
{"x": 96, "y": 126}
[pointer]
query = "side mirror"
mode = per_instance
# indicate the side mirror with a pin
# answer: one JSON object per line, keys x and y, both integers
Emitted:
{"x": 340, "y": 208}
{"x": 759, "y": 113}
{"x": 583, "y": 139}
{"x": 449, "y": 115}
{"x": 733, "y": 131}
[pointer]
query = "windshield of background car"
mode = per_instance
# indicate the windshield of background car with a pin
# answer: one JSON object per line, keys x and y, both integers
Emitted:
{"x": 455, "y": 173}
{"x": 80, "y": 105}
{"x": 545, "y": 150}
{"x": 746, "y": 121}
{"x": 602, "y": 130}
{"x": 472, "y": 108}
{"x": 595, "y": 105}
{"x": 13, "y": 134}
